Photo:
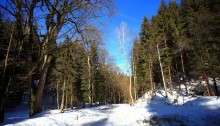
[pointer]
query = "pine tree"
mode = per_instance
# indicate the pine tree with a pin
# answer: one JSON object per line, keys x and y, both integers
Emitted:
{"x": 143, "y": 57}
{"x": 200, "y": 21}
{"x": 177, "y": 41}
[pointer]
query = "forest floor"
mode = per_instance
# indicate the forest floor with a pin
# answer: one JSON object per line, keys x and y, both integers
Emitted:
{"x": 158, "y": 111}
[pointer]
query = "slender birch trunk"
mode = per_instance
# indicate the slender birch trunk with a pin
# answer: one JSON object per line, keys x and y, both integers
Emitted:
{"x": 161, "y": 67}
{"x": 121, "y": 34}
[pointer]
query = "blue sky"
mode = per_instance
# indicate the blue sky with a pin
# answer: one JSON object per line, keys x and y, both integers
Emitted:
{"x": 131, "y": 12}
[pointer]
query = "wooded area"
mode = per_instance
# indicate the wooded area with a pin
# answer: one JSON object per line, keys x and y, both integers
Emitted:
{"x": 54, "y": 48}
{"x": 177, "y": 45}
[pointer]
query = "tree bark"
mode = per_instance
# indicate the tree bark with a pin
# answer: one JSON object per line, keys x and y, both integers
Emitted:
{"x": 66, "y": 103}
{"x": 130, "y": 91}
{"x": 63, "y": 96}
{"x": 42, "y": 80}
{"x": 151, "y": 79}
{"x": 58, "y": 101}
{"x": 71, "y": 98}
{"x": 119, "y": 98}
{"x": 114, "y": 97}
{"x": 161, "y": 67}
{"x": 29, "y": 80}
{"x": 171, "y": 82}
{"x": 215, "y": 86}
{"x": 184, "y": 73}
{"x": 32, "y": 96}
{"x": 89, "y": 83}
{"x": 134, "y": 75}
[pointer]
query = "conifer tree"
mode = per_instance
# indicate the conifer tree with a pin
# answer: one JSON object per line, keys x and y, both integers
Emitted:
{"x": 143, "y": 57}
{"x": 200, "y": 32}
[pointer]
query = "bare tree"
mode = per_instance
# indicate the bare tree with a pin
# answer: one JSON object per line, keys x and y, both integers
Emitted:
{"x": 122, "y": 38}
{"x": 92, "y": 38}
{"x": 60, "y": 18}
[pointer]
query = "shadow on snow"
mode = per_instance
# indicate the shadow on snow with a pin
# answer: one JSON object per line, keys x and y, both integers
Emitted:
{"x": 199, "y": 111}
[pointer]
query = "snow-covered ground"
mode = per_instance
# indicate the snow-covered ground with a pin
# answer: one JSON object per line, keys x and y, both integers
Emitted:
{"x": 159, "y": 111}
{"x": 194, "y": 111}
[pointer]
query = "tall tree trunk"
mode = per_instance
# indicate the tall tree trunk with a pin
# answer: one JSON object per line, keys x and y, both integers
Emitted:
{"x": 171, "y": 82}
{"x": 109, "y": 94}
{"x": 151, "y": 78}
{"x": 121, "y": 34}
{"x": 161, "y": 67}
{"x": 63, "y": 96}
{"x": 134, "y": 75}
{"x": 29, "y": 80}
{"x": 66, "y": 103}
{"x": 130, "y": 91}
{"x": 184, "y": 73}
{"x": 28, "y": 48}
{"x": 215, "y": 86}
{"x": 58, "y": 101}
{"x": 42, "y": 80}
{"x": 89, "y": 83}
{"x": 119, "y": 97}
{"x": 71, "y": 98}
{"x": 114, "y": 97}
{"x": 32, "y": 95}
{"x": 106, "y": 90}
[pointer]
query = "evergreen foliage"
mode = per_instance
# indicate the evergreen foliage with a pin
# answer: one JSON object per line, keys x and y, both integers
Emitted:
{"x": 188, "y": 41}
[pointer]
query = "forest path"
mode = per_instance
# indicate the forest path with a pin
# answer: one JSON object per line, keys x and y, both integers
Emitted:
{"x": 195, "y": 111}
